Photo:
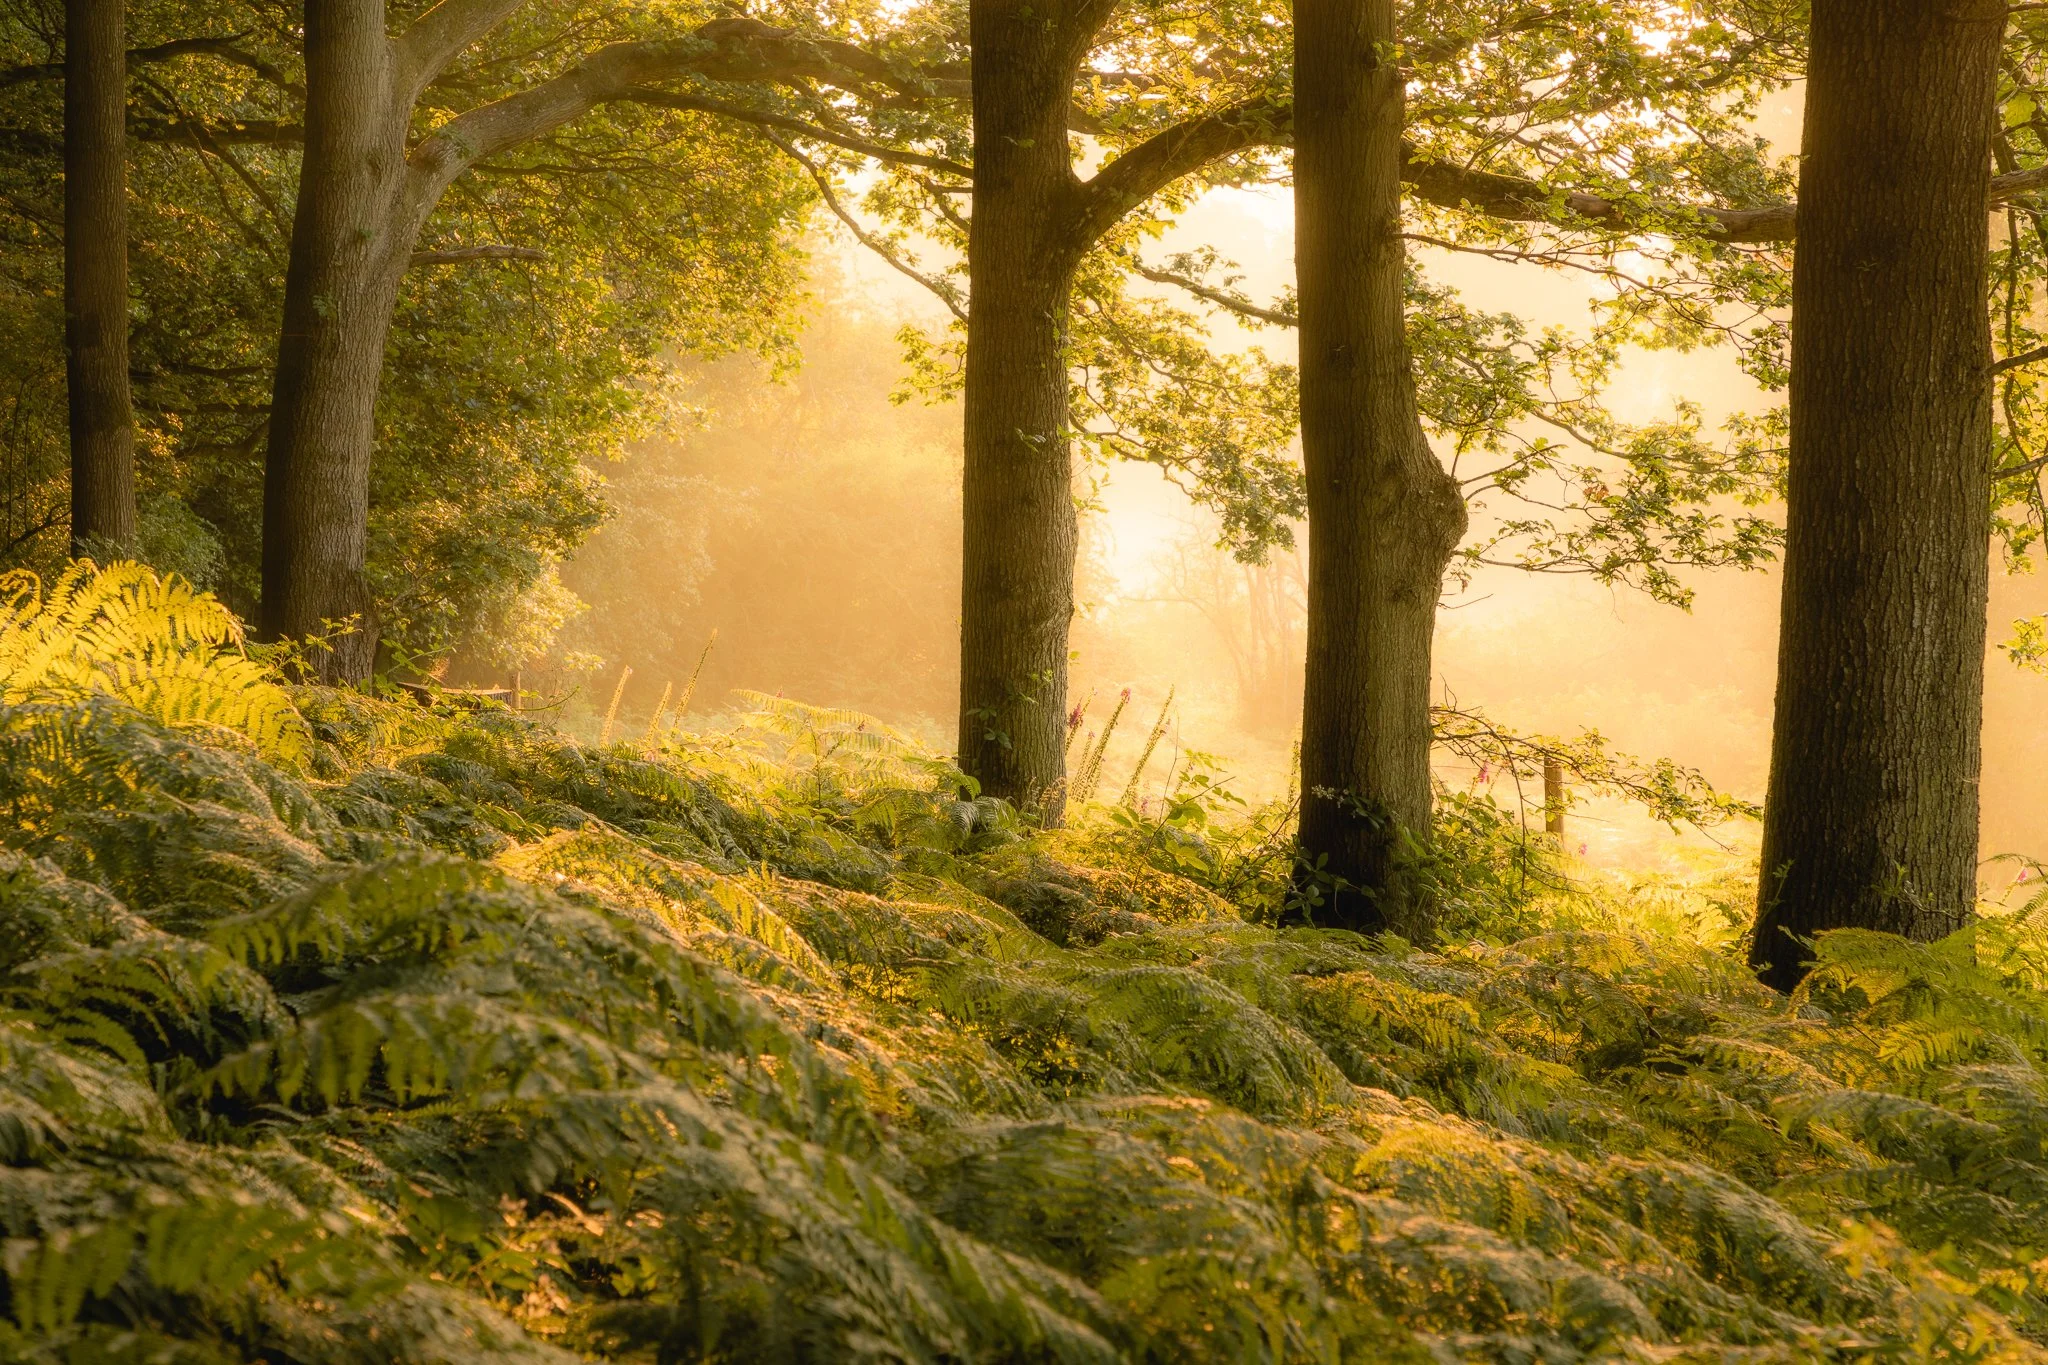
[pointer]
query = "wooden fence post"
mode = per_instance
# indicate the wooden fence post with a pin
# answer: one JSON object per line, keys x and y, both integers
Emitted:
{"x": 1553, "y": 798}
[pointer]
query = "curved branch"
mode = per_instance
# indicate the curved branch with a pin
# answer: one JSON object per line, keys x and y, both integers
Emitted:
{"x": 1135, "y": 176}
{"x": 1151, "y": 166}
{"x": 1222, "y": 298}
{"x": 946, "y": 293}
{"x": 224, "y": 48}
{"x": 1130, "y": 179}
{"x": 722, "y": 50}
{"x": 663, "y": 99}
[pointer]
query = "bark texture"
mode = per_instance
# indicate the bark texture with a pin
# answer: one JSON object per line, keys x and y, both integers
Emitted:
{"x": 1019, "y": 532}
{"x": 1871, "y": 818}
{"x": 1384, "y": 516}
{"x": 96, "y": 276}
{"x": 341, "y": 286}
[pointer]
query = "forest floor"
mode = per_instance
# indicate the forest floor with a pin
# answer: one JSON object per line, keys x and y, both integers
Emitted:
{"x": 341, "y": 1030}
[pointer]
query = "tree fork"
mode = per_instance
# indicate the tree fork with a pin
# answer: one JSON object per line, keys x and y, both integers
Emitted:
{"x": 1871, "y": 817}
{"x": 102, "y": 417}
{"x": 363, "y": 201}
{"x": 1384, "y": 516}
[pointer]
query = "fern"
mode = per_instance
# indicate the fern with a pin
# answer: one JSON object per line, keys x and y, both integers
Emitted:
{"x": 173, "y": 653}
{"x": 459, "y": 1040}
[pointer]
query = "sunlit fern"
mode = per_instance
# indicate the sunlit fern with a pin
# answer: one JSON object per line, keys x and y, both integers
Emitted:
{"x": 152, "y": 641}
{"x": 488, "y": 1045}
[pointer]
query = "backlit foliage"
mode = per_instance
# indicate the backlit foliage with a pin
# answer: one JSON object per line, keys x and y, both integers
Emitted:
{"x": 154, "y": 643}
{"x": 781, "y": 1045}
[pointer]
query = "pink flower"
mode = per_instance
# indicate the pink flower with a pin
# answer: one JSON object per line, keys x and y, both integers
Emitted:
{"x": 1582, "y": 850}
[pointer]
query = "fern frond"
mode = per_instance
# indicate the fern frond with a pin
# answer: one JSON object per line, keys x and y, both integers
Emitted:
{"x": 156, "y": 643}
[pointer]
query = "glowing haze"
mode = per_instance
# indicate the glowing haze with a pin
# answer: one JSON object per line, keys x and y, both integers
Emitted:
{"x": 814, "y": 525}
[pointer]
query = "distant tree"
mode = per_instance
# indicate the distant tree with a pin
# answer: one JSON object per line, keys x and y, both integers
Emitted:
{"x": 1871, "y": 818}
{"x": 102, "y": 419}
{"x": 809, "y": 522}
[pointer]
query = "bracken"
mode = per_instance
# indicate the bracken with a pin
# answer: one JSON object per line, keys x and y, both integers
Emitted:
{"x": 432, "y": 1035}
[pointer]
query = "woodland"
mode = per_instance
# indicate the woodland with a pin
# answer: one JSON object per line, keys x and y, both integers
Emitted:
{"x": 364, "y": 1000}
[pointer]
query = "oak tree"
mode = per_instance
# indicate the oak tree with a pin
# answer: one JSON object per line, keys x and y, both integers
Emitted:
{"x": 1871, "y": 817}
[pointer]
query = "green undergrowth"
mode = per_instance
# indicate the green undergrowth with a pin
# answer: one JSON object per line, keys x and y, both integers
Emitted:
{"x": 339, "y": 1030}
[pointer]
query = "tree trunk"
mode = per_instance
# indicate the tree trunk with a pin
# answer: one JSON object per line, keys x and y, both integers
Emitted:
{"x": 1384, "y": 517}
{"x": 350, "y": 249}
{"x": 96, "y": 276}
{"x": 1871, "y": 819}
{"x": 1019, "y": 533}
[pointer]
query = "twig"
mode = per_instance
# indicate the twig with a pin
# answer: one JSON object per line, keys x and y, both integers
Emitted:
{"x": 946, "y": 293}
{"x": 663, "y": 99}
{"x": 2013, "y": 362}
{"x": 690, "y": 688}
{"x": 458, "y": 255}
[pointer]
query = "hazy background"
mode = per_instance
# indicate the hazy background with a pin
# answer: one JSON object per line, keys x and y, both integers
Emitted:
{"x": 814, "y": 525}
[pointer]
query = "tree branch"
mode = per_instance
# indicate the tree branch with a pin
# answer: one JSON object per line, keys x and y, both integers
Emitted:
{"x": 722, "y": 50}
{"x": 1222, "y": 299}
{"x": 224, "y": 48}
{"x": 49, "y": 522}
{"x": 1516, "y": 199}
{"x": 1130, "y": 179}
{"x": 2020, "y": 471}
{"x": 946, "y": 294}
{"x": 1143, "y": 171}
{"x": 239, "y": 133}
{"x": 459, "y": 255}
{"x": 664, "y": 99}
{"x": 440, "y": 35}
{"x": 2013, "y": 362}
{"x": 1456, "y": 45}
{"x": 1530, "y": 201}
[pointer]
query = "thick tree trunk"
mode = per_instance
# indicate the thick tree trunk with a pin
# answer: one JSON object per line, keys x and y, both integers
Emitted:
{"x": 96, "y": 276}
{"x": 1017, "y": 589}
{"x": 1384, "y": 517}
{"x": 351, "y": 244}
{"x": 1871, "y": 819}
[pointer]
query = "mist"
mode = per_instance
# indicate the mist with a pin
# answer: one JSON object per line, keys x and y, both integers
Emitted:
{"x": 810, "y": 519}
